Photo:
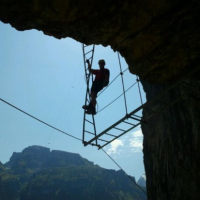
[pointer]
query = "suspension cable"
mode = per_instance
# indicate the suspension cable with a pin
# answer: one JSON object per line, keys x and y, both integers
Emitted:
{"x": 122, "y": 83}
{"x": 118, "y": 97}
{"x": 69, "y": 136}
{"x": 39, "y": 120}
{"x": 111, "y": 82}
{"x": 124, "y": 172}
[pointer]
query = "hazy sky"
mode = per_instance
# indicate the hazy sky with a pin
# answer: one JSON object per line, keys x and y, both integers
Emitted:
{"x": 44, "y": 76}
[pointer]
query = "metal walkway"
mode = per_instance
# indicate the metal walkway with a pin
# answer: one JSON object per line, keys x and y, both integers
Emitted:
{"x": 132, "y": 119}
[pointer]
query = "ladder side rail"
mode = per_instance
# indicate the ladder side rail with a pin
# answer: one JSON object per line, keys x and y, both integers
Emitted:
{"x": 87, "y": 90}
{"x": 87, "y": 96}
{"x": 92, "y": 58}
{"x": 95, "y": 132}
{"x": 84, "y": 115}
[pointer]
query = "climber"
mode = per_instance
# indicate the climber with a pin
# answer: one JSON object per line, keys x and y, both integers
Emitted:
{"x": 101, "y": 80}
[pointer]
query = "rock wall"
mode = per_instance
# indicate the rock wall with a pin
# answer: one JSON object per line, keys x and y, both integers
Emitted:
{"x": 172, "y": 144}
{"x": 159, "y": 40}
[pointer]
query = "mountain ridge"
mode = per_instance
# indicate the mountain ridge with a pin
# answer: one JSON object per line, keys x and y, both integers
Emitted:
{"x": 34, "y": 157}
{"x": 38, "y": 173}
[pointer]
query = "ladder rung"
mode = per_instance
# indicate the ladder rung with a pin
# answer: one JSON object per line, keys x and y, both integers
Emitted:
{"x": 118, "y": 129}
{"x": 161, "y": 101}
{"x": 138, "y": 119}
{"x": 89, "y": 132}
{"x": 89, "y": 121}
{"x": 103, "y": 140}
{"x": 137, "y": 116}
{"x": 88, "y": 52}
{"x": 129, "y": 123}
{"x": 110, "y": 134}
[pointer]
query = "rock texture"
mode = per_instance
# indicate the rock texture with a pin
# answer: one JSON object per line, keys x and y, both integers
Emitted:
{"x": 157, "y": 38}
{"x": 172, "y": 145}
{"x": 160, "y": 41}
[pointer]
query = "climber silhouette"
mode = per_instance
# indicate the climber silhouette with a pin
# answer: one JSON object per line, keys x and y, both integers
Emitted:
{"x": 101, "y": 80}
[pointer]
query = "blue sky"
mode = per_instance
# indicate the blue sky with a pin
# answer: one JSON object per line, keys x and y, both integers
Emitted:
{"x": 44, "y": 76}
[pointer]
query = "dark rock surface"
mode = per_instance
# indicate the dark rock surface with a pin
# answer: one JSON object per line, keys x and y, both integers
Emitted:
{"x": 157, "y": 38}
{"x": 172, "y": 146}
{"x": 160, "y": 41}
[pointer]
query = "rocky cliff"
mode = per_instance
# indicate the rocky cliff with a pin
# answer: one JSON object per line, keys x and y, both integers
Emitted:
{"x": 171, "y": 146}
{"x": 160, "y": 42}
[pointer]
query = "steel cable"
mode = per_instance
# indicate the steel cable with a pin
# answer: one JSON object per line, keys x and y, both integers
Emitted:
{"x": 117, "y": 97}
{"x": 39, "y": 120}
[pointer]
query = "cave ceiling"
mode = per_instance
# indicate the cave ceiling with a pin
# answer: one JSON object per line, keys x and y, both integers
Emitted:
{"x": 159, "y": 39}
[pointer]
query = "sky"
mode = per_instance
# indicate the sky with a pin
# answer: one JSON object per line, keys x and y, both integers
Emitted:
{"x": 45, "y": 77}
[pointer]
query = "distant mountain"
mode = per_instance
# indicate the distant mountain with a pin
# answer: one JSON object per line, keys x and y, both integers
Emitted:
{"x": 2, "y": 168}
{"x": 142, "y": 181}
{"x": 38, "y": 173}
{"x": 37, "y": 158}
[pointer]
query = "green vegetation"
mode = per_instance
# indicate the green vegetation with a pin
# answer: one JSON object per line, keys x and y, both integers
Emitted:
{"x": 76, "y": 179}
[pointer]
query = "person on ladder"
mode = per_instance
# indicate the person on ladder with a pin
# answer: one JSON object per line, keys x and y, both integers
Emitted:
{"x": 101, "y": 80}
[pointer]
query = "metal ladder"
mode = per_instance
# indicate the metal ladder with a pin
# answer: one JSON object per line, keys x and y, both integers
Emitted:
{"x": 89, "y": 124}
{"x": 155, "y": 106}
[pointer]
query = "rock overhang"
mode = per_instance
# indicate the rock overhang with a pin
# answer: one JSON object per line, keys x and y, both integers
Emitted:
{"x": 158, "y": 39}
